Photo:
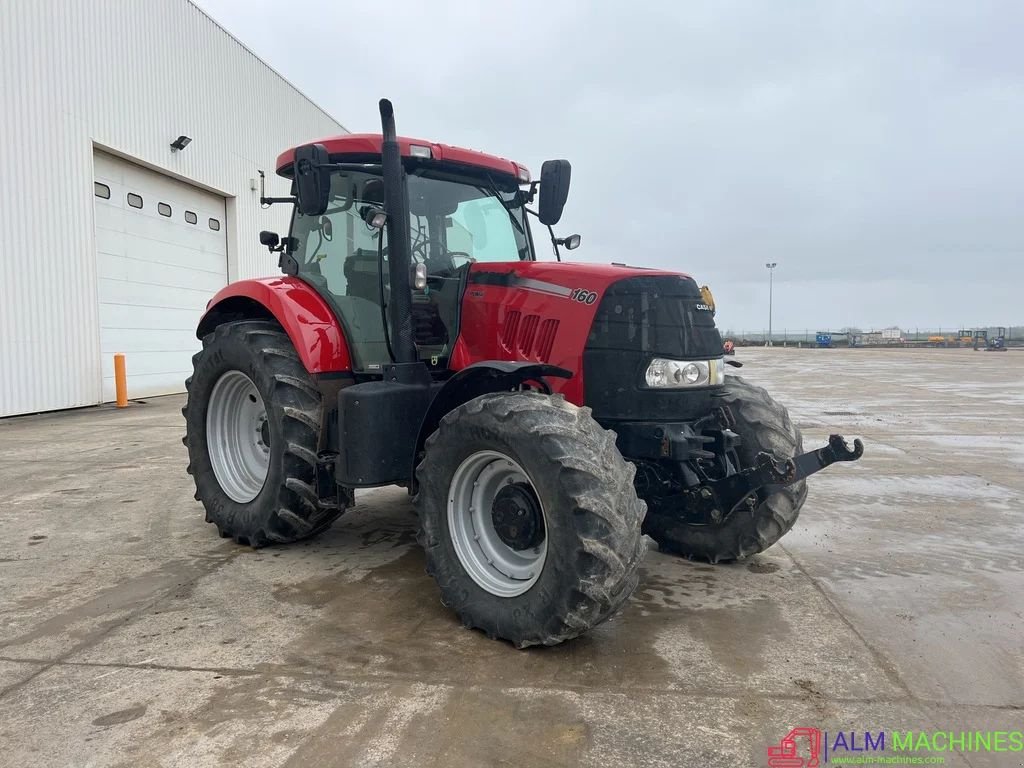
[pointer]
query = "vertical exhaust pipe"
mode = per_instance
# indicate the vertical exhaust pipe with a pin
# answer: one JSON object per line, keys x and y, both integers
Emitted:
{"x": 399, "y": 249}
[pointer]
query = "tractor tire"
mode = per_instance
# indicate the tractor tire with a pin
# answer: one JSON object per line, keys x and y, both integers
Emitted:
{"x": 252, "y": 429}
{"x": 580, "y": 547}
{"x": 763, "y": 425}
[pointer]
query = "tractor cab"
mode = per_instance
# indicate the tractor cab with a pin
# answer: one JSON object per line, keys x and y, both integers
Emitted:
{"x": 463, "y": 207}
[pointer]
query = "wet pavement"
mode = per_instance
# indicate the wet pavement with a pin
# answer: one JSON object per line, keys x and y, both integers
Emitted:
{"x": 131, "y": 635}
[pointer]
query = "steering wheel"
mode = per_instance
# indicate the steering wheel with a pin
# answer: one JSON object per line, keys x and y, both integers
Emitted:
{"x": 450, "y": 272}
{"x": 462, "y": 255}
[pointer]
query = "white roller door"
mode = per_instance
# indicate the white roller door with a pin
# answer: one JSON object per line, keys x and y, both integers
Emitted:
{"x": 161, "y": 253}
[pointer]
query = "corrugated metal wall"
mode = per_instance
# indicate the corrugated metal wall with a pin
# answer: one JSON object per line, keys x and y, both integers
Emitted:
{"x": 128, "y": 76}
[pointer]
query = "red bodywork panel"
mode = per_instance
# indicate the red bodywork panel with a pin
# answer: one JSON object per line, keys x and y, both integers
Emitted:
{"x": 526, "y": 311}
{"x": 305, "y": 317}
{"x": 370, "y": 144}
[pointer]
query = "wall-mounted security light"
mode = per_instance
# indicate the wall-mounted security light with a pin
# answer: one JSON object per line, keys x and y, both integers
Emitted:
{"x": 180, "y": 143}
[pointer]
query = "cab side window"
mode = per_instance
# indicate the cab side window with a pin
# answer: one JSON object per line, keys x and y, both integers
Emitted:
{"x": 480, "y": 228}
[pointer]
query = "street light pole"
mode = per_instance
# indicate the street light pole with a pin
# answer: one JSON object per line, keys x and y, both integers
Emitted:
{"x": 771, "y": 271}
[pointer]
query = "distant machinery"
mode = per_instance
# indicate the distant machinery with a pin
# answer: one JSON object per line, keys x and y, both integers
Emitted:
{"x": 997, "y": 342}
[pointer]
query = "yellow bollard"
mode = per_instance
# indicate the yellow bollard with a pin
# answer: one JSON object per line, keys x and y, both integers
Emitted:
{"x": 120, "y": 381}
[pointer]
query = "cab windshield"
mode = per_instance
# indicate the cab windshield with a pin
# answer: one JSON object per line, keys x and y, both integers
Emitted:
{"x": 474, "y": 219}
{"x": 454, "y": 220}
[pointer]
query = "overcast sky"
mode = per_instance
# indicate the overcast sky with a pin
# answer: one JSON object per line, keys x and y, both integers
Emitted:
{"x": 875, "y": 151}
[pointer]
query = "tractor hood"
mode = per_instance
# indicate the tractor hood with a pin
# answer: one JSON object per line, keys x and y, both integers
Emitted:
{"x": 565, "y": 273}
{"x": 581, "y": 281}
{"x": 560, "y": 312}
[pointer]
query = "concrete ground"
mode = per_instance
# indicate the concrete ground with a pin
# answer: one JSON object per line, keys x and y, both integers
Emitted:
{"x": 130, "y": 634}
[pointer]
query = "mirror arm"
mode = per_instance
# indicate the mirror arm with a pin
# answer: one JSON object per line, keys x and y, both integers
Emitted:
{"x": 554, "y": 243}
{"x": 266, "y": 202}
{"x": 529, "y": 196}
{"x": 551, "y": 231}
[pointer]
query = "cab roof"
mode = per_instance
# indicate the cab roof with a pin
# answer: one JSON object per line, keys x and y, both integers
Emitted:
{"x": 362, "y": 144}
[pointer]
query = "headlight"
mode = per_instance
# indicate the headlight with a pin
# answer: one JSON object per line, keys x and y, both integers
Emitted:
{"x": 679, "y": 374}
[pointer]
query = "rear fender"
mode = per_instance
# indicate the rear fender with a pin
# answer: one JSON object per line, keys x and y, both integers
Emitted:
{"x": 475, "y": 380}
{"x": 314, "y": 331}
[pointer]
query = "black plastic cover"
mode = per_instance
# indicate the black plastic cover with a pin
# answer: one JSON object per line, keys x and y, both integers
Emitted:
{"x": 378, "y": 423}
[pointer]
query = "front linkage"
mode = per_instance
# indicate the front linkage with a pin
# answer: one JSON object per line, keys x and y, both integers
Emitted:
{"x": 712, "y": 499}
{"x": 715, "y": 500}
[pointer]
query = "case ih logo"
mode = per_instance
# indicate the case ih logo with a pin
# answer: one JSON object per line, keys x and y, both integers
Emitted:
{"x": 788, "y": 754}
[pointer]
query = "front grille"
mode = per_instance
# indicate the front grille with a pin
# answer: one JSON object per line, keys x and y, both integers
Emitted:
{"x": 640, "y": 318}
{"x": 660, "y": 316}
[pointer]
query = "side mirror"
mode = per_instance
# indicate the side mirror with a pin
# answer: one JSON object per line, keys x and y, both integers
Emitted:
{"x": 554, "y": 190}
{"x": 570, "y": 243}
{"x": 312, "y": 179}
{"x": 373, "y": 216}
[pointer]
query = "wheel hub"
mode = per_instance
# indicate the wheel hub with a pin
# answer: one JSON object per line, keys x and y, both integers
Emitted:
{"x": 500, "y": 549}
{"x": 517, "y": 517}
{"x": 238, "y": 436}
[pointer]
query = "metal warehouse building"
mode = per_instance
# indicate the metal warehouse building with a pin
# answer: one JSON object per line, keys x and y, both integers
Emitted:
{"x": 114, "y": 239}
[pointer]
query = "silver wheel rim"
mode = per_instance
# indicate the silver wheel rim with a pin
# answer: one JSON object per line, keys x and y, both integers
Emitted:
{"x": 238, "y": 436}
{"x": 490, "y": 562}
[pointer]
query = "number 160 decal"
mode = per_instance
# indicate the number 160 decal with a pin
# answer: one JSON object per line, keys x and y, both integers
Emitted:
{"x": 583, "y": 296}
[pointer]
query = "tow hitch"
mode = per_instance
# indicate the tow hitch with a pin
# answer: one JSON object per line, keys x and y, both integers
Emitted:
{"x": 714, "y": 500}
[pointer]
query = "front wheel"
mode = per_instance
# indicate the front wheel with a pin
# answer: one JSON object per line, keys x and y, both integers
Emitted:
{"x": 528, "y": 517}
{"x": 763, "y": 426}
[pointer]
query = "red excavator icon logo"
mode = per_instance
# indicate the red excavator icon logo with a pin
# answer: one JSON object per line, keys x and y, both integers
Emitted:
{"x": 786, "y": 754}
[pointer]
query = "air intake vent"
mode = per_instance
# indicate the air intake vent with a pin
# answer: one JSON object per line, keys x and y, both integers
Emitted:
{"x": 528, "y": 337}
{"x": 526, "y": 333}
{"x": 509, "y": 330}
{"x": 546, "y": 339}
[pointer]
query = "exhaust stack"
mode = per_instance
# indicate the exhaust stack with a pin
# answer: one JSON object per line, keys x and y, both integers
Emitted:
{"x": 399, "y": 250}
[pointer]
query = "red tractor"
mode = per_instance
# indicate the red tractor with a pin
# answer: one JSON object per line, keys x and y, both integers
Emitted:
{"x": 542, "y": 414}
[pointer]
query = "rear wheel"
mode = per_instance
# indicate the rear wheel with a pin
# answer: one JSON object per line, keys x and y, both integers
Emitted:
{"x": 763, "y": 426}
{"x": 528, "y": 517}
{"x": 252, "y": 424}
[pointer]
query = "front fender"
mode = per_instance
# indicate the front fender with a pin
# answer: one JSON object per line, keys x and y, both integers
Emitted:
{"x": 314, "y": 331}
{"x": 475, "y": 380}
